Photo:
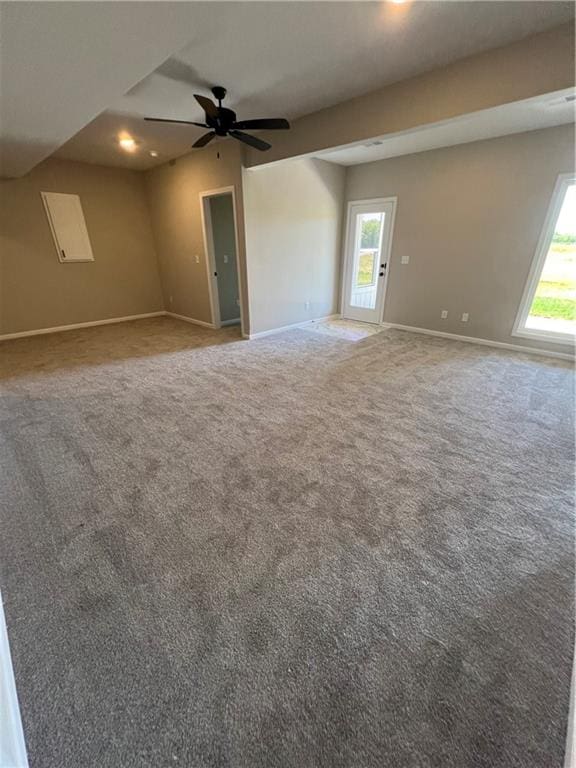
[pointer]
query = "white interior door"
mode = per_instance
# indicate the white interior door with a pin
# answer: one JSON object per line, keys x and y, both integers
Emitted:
{"x": 367, "y": 252}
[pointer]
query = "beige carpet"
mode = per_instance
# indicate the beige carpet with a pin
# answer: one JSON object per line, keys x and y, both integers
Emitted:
{"x": 295, "y": 552}
{"x": 345, "y": 329}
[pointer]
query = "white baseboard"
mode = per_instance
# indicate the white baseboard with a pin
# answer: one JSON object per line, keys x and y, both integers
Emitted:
{"x": 189, "y": 320}
{"x": 59, "y": 328}
{"x": 109, "y": 321}
{"x": 483, "y": 342}
{"x": 260, "y": 334}
{"x": 12, "y": 745}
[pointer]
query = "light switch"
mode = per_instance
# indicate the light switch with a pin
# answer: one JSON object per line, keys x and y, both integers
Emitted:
{"x": 197, "y": 259}
{"x": 405, "y": 259}
{"x": 225, "y": 258}
{"x": 444, "y": 314}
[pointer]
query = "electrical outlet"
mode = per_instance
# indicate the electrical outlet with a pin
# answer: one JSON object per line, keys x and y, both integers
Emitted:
{"x": 306, "y": 305}
{"x": 405, "y": 259}
{"x": 444, "y": 314}
{"x": 225, "y": 258}
{"x": 197, "y": 259}
{"x": 465, "y": 317}
{"x": 170, "y": 300}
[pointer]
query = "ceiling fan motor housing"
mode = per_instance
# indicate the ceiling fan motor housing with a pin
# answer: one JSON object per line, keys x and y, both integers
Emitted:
{"x": 222, "y": 123}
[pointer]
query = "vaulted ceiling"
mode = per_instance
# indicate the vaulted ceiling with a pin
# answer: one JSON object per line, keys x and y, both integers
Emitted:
{"x": 75, "y": 75}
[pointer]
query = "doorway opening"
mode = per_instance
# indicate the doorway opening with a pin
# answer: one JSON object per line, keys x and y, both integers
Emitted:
{"x": 221, "y": 244}
{"x": 366, "y": 259}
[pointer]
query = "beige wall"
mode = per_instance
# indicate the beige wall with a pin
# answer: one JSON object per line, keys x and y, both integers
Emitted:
{"x": 36, "y": 290}
{"x": 469, "y": 218}
{"x": 293, "y": 230}
{"x": 174, "y": 200}
{"x": 533, "y": 66}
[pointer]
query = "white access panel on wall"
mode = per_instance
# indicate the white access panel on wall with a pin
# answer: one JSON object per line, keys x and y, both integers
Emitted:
{"x": 68, "y": 227}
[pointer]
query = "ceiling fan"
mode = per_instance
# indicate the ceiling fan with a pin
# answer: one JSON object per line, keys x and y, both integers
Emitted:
{"x": 222, "y": 122}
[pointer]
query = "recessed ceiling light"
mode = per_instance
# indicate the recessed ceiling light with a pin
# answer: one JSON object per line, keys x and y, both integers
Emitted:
{"x": 127, "y": 143}
{"x": 153, "y": 153}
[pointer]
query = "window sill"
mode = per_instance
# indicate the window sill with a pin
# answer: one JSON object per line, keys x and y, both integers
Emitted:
{"x": 555, "y": 338}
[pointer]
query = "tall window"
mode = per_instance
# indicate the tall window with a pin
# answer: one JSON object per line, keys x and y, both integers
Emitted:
{"x": 548, "y": 309}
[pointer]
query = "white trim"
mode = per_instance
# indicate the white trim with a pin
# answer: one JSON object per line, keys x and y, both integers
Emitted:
{"x": 190, "y": 320}
{"x": 542, "y": 335}
{"x": 59, "y": 328}
{"x": 346, "y": 262}
{"x": 209, "y": 254}
{"x": 282, "y": 328}
{"x": 483, "y": 342}
{"x": 563, "y": 181}
{"x": 12, "y": 744}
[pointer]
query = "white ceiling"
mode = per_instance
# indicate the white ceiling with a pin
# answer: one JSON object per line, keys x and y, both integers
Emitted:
{"x": 288, "y": 59}
{"x": 520, "y": 116}
{"x": 62, "y": 63}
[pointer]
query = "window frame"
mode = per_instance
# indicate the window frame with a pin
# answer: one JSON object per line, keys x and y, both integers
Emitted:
{"x": 563, "y": 181}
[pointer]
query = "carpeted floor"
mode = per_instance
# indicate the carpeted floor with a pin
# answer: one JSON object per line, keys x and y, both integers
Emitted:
{"x": 345, "y": 329}
{"x": 295, "y": 552}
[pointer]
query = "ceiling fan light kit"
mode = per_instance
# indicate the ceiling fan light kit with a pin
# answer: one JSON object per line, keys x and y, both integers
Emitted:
{"x": 221, "y": 121}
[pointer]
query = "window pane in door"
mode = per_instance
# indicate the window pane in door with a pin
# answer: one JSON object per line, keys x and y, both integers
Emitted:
{"x": 368, "y": 237}
{"x": 554, "y": 304}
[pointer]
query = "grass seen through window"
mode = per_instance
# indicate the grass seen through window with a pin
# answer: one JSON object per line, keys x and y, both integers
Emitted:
{"x": 556, "y": 293}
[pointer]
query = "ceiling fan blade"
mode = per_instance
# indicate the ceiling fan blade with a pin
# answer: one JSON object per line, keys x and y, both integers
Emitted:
{"x": 203, "y": 140}
{"x": 208, "y": 106}
{"x": 268, "y": 124}
{"x": 251, "y": 140}
{"x": 167, "y": 120}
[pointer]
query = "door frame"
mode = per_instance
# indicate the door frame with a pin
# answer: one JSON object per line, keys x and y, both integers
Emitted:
{"x": 385, "y": 253}
{"x": 207, "y": 234}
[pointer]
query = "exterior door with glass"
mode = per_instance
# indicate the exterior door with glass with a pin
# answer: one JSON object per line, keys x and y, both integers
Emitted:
{"x": 366, "y": 264}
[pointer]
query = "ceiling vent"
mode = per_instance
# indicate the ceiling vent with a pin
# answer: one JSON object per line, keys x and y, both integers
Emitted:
{"x": 563, "y": 100}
